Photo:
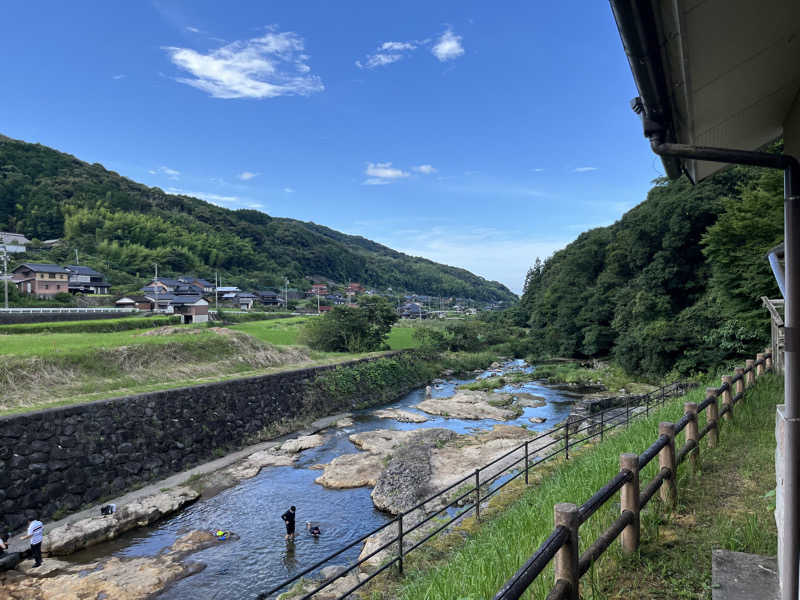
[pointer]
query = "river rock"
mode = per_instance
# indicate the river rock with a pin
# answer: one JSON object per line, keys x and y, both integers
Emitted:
{"x": 352, "y": 470}
{"x": 381, "y": 441}
{"x": 469, "y": 404}
{"x": 93, "y": 530}
{"x": 334, "y": 591}
{"x": 537, "y": 420}
{"x": 405, "y": 480}
{"x": 529, "y": 400}
{"x": 252, "y": 465}
{"x": 117, "y": 578}
{"x": 403, "y": 416}
{"x": 304, "y": 442}
{"x": 346, "y": 422}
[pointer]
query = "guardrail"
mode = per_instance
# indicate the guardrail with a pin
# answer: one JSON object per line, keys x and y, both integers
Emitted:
{"x": 67, "y": 310}
{"x": 574, "y": 432}
{"x": 562, "y": 544}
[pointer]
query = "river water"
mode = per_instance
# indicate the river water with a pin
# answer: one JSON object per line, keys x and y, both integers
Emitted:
{"x": 261, "y": 558}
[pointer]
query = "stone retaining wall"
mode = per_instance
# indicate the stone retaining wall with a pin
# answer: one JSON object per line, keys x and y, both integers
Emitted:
{"x": 56, "y": 460}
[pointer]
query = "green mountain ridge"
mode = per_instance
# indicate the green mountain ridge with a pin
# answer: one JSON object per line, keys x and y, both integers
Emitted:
{"x": 125, "y": 227}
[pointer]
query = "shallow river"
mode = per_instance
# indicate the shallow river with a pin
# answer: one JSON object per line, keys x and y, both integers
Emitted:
{"x": 261, "y": 558}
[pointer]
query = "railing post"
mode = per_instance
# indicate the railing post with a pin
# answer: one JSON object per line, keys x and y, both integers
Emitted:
{"x": 759, "y": 364}
{"x": 751, "y": 377}
{"x": 727, "y": 397}
{"x": 692, "y": 432}
{"x": 478, "y": 494}
{"x": 629, "y": 500}
{"x": 739, "y": 384}
{"x": 526, "y": 463}
{"x": 566, "y": 440}
{"x": 627, "y": 411}
{"x": 768, "y": 359}
{"x": 400, "y": 539}
{"x": 566, "y": 559}
{"x": 712, "y": 416}
{"x": 666, "y": 459}
{"x": 602, "y": 423}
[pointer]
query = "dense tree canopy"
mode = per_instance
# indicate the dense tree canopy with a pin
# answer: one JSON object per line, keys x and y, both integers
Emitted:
{"x": 675, "y": 283}
{"x": 361, "y": 328}
{"x": 125, "y": 227}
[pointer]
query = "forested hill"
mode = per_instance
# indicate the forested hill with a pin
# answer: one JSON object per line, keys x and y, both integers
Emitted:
{"x": 674, "y": 284}
{"x": 125, "y": 227}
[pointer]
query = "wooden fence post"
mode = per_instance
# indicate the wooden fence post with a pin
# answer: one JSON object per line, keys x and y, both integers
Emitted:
{"x": 692, "y": 432}
{"x": 727, "y": 397}
{"x": 666, "y": 459}
{"x": 750, "y": 377}
{"x": 768, "y": 359}
{"x": 759, "y": 364}
{"x": 712, "y": 416}
{"x": 566, "y": 559}
{"x": 629, "y": 500}
{"x": 739, "y": 384}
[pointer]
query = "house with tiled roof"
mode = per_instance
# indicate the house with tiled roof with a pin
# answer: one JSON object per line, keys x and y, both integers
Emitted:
{"x": 85, "y": 280}
{"x": 42, "y": 280}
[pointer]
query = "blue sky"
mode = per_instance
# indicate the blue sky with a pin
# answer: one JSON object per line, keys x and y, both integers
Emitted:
{"x": 476, "y": 134}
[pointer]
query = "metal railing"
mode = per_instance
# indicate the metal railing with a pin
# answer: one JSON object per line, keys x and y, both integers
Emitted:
{"x": 562, "y": 544}
{"x": 574, "y": 432}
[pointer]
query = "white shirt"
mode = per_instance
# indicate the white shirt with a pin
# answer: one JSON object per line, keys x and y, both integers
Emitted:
{"x": 35, "y": 531}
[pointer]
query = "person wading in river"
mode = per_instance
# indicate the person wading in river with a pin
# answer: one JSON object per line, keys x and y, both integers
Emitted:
{"x": 288, "y": 518}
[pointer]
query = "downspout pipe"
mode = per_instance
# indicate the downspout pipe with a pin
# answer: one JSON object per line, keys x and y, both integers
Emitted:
{"x": 790, "y": 536}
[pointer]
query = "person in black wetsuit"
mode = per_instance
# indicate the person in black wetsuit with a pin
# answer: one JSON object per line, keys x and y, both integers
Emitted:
{"x": 288, "y": 518}
{"x": 313, "y": 529}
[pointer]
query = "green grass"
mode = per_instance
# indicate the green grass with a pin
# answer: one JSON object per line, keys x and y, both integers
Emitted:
{"x": 401, "y": 337}
{"x": 478, "y": 568}
{"x": 90, "y": 326}
{"x": 55, "y": 344}
{"x": 281, "y": 332}
{"x": 611, "y": 376}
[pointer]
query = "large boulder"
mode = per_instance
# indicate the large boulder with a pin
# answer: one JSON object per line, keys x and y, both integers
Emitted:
{"x": 472, "y": 404}
{"x": 403, "y": 416}
{"x": 304, "y": 442}
{"x": 87, "y": 532}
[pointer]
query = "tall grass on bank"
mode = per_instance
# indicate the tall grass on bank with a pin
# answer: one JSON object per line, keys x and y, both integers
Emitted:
{"x": 479, "y": 568}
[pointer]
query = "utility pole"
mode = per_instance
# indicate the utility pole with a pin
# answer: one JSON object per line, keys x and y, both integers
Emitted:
{"x": 5, "y": 275}
{"x": 318, "y": 302}
{"x": 216, "y": 291}
{"x": 155, "y": 287}
{"x": 286, "y": 295}
{"x": 76, "y": 257}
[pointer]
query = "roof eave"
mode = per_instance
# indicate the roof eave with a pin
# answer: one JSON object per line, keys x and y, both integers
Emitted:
{"x": 640, "y": 35}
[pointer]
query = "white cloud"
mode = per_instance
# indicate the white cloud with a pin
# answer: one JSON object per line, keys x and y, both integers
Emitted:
{"x": 385, "y": 170}
{"x": 382, "y": 173}
{"x": 398, "y": 46}
{"x": 539, "y": 170}
{"x": 171, "y": 173}
{"x": 583, "y": 169}
{"x": 255, "y": 205}
{"x": 118, "y": 77}
{"x": 378, "y": 60}
{"x": 265, "y": 67}
{"x": 192, "y": 29}
{"x": 448, "y": 46}
{"x": 288, "y": 190}
{"x": 213, "y": 198}
{"x": 424, "y": 169}
{"x": 247, "y": 175}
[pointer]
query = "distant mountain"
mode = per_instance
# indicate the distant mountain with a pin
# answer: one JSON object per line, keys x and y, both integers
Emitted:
{"x": 125, "y": 227}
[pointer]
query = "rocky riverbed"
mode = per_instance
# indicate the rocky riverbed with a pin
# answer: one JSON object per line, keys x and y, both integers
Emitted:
{"x": 117, "y": 578}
